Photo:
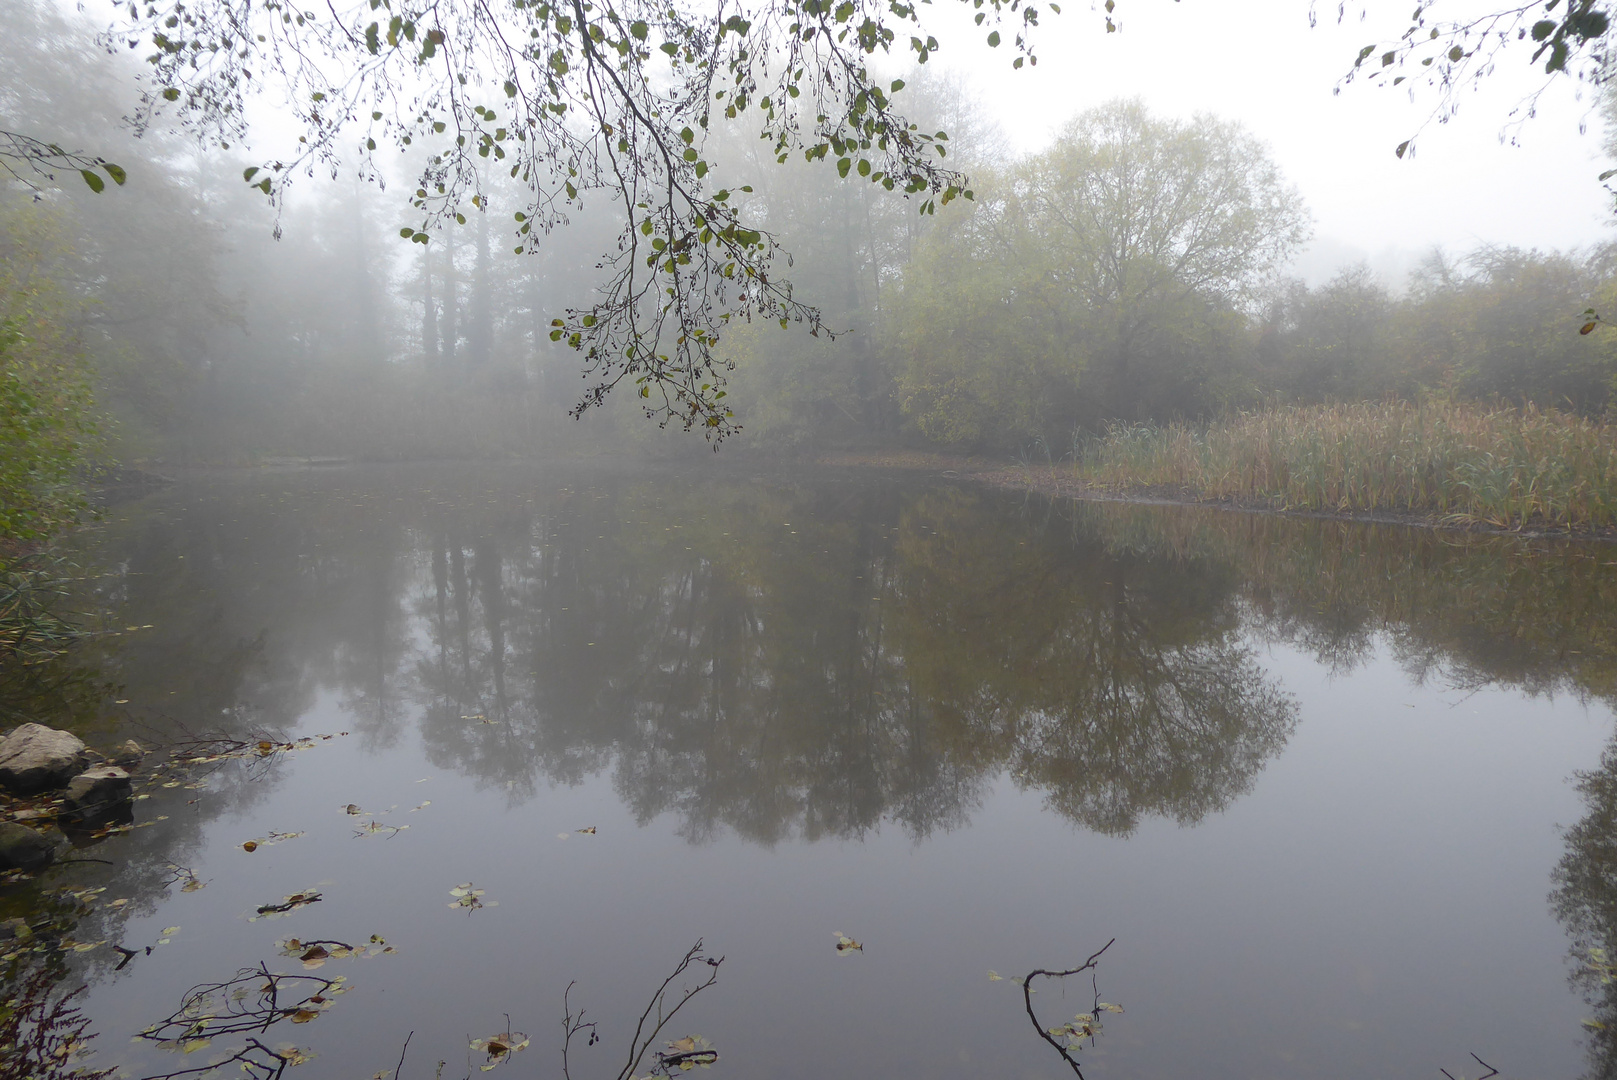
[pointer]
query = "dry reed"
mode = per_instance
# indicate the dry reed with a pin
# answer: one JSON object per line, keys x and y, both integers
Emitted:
{"x": 1463, "y": 463}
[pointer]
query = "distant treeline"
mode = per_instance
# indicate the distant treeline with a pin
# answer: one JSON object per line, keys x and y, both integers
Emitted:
{"x": 1131, "y": 272}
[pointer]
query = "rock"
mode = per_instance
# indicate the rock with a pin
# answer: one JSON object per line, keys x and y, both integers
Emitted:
{"x": 35, "y": 758}
{"x": 22, "y": 848}
{"x": 99, "y": 796}
{"x": 128, "y": 754}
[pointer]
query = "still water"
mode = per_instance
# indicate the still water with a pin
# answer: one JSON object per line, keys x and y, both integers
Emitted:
{"x": 1344, "y": 796}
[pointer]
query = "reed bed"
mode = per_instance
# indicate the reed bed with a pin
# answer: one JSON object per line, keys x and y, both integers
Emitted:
{"x": 32, "y": 589}
{"x": 1461, "y": 463}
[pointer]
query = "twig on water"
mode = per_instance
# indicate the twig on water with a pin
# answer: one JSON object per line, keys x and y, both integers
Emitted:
{"x": 1492, "y": 1071}
{"x": 642, "y": 1040}
{"x": 1077, "y": 1034}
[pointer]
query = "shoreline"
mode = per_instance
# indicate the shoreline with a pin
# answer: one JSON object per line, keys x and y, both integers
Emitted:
{"x": 1050, "y": 481}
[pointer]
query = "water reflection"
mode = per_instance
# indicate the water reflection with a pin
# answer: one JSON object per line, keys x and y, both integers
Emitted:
{"x": 789, "y": 659}
{"x": 782, "y": 664}
{"x": 799, "y": 659}
{"x": 1585, "y": 901}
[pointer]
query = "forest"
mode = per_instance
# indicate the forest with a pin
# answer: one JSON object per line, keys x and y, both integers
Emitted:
{"x": 515, "y": 487}
{"x": 1135, "y": 271}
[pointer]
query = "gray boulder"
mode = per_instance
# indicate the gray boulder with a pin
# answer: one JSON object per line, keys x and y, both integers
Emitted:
{"x": 99, "y": 796}
{"x": 35, "y": 758}
{"x": 22, "y": 848}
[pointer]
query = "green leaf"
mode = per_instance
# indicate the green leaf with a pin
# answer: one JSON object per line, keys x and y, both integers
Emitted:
{"x": 993, "y": 39}
{"x": 116, "y": 172}
{"x": 843, "y": 165}
{"x": 97, "y": 184}
{"x": 248, "y": 173}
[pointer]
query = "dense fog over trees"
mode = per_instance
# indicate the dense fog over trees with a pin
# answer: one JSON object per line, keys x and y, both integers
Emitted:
{"x": 1133, "y": 271}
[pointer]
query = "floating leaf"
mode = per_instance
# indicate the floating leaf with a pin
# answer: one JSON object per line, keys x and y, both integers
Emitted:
{"x": 499, "y": 1048}
{"x": 846, "y": 944}
{"x": 687, "y": 1053}
{"x": 470, "y": 898}
{"x": 287, "y": 906}
{"x": 589, "y": 831}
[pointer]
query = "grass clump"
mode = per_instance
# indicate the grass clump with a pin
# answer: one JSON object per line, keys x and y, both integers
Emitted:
{"x": 1462, "y": 463}
{"x": 33, "y": 629}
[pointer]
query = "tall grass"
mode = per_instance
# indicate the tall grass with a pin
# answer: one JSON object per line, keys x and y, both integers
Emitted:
{"x": 1464, "y": 463}
{"x": 32, "y": 588}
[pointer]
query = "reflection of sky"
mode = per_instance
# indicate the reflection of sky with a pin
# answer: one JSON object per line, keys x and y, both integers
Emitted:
{"x": 1373, "y": 904}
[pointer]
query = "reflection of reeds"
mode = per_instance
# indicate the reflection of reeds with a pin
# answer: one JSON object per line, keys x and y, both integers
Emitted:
{"x": 32, "y": 587}
{"x": 1467, "y": 463}
{"x": 43, "y": 1035}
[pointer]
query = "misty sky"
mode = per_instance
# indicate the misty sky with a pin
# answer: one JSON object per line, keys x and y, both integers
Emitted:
{"x": 1259, "y": 62}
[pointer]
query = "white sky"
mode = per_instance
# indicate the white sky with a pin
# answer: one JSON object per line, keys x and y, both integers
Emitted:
{"x": 1258, "y": 62}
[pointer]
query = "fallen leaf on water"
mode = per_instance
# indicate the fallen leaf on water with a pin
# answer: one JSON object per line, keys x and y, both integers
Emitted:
{"x": 687, "y": 1053}
{"x": 499, "y": 1048}
{"x": 271, "y": 840}
{"x": 287, "y": 906}
{"x": 589, "y": 831}
{"x": 469, "y": 898}
{"x": 846, "y": 944}
{"x": 294, "y": 1055}
{"x": 994, "y": 976}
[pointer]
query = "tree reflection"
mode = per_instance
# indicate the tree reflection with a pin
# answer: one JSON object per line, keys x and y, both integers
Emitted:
{"x": 803, "y": 662}
{"x": 1585, "y": 901}
{"x": 811, "y": 658}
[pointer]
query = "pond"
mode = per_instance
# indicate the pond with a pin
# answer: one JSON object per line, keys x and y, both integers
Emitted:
{"x": 1343, "y": 798}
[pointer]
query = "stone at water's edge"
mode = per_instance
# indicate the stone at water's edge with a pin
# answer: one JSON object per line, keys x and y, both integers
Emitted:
{"x": 128, "y": 754}
{"x": 35, "y": 758}
{"x": 22, "y": 848}
{"x": 99, "y": 796}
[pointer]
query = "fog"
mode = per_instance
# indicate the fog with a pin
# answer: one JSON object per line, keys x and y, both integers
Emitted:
{"x": 217, "y": 326}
